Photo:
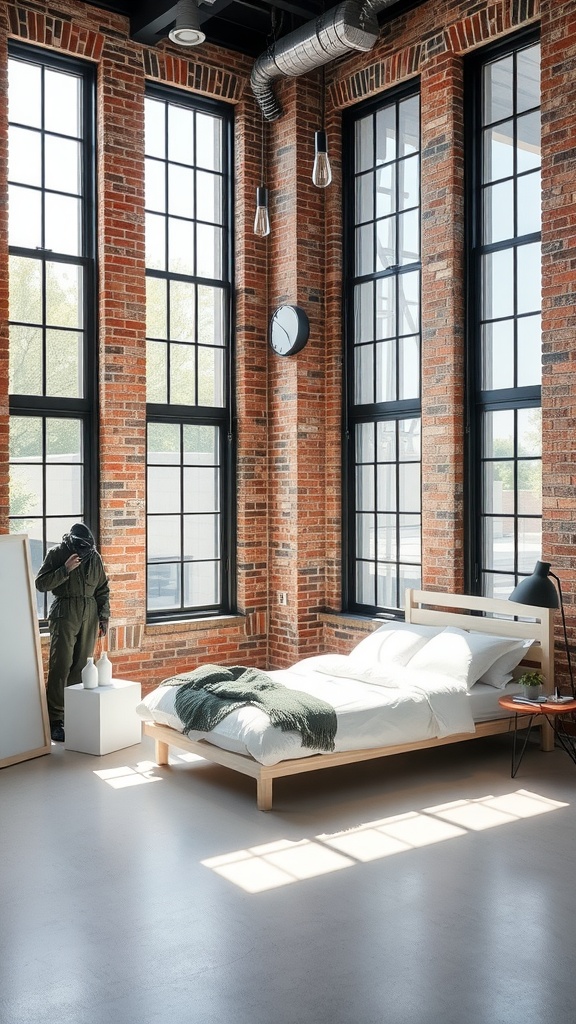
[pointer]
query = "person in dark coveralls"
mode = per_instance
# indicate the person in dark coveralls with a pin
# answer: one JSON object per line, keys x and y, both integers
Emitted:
{"x": 74, "y": 572}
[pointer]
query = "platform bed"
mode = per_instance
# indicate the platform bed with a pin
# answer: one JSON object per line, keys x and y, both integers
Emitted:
{"x": 425, "y": 608}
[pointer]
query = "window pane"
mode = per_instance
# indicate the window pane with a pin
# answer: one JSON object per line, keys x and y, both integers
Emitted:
{"x": 64, "y": 350}
{"x": 528, "y": 77}
{"x": 180, "y": 134}
{"x": 26, "y": 438}
{"x": 63, "y": 490}
{"x": 498, "y": 89}
{"x": 182, "y": 311}
{"x": 409, "y": 487}
{"x": 26, "y": 490}
{"x": 201, "y": 584}
{"x": 181, "y": 191}
{"x": 528, "y": 142}
{"x": 63, "y": 295}
{"x": 63, "y": 440}
{"x": 155, "y": 186}
{"x": 409, "y": 183}
{"x": 25, "y": 361}
{"x": 62, "y": 103}
{"x": 387, "y": 586}
{"x": 529, "y": 191}
{"x": 499, "y": 434}
{"x": 364, "y": 143}
{"x": 201, "y": 536}
{"x": 529, "y": 278}
{"x": 163, "y": 538}
{"x": 156, "y": 308}
{"x": 155, "y": 127}
{"x": 409, "y": 118}
{"x": 164, "y": 443}
{"x": 410, "y": 539}
{"x": 25, "y": 290}
{"x": 209, "y": 196}
{"x": 529, "y": 350}
{"x": 499, "y": 152}
{"x": 155, "y": 241}
{"x": 24, "y": 156}
{"x": 25, "y": 217}
{"x": 25, "y": 85}
{"x": 182, "y": 375}
{"x": 208, "y": 142}
{"x": 529, "y": 431}
{"x": 201, "y": 489}
{"x": 386, "y": 307}
{"x": 409, "y": 302}
{"x": 164, "y": 492}
{"x": 211, "y": 377}
{"x": 497, "y": 356}
{"x": 210, "y": 316}
{"x": 156, "y": 372}
{"x": 364, "y": 374}
{"x": 62, "y": 165}
{"x": 364, "y": 312}
{"x": 387, "y": 488}
{"x": 181, "y": 246}
{"x": 409, "y": 368}
{"x": 499, "y": 212}
{"x": 63, "y": 224}
{"x": 385, "y": 243}
{"x": 209, "y": 251}
{"x": 386, "y": 191}
{"x": 386, "y": 385}
{"x": 498, "y": 291}
{"x": 364, "y": 250}
{"x": 364, "y": 209}
{"x": 200, "y": 444}
{"x": 163, "y": 586}
{"x": 365, "y": 537}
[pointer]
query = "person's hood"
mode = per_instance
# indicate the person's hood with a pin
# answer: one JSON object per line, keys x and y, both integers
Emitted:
{"x": 80, "y": 540}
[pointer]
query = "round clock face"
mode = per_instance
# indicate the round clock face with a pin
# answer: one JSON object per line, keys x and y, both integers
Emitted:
{"x": 289, "y": 330}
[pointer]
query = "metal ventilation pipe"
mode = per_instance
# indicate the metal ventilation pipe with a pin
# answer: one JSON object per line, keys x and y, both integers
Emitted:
{"x": 350, "y": 26}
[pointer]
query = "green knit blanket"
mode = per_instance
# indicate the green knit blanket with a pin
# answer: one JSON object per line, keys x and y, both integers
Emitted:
{"x": 210, "y": 692}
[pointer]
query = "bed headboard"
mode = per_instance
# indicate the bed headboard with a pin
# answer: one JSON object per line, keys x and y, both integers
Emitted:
{"x": 489, "y": 615}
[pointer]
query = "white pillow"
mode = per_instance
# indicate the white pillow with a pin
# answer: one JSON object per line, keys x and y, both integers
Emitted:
{"x": 462, "y": 655}
{"x": 392, "y": 642}
{"x": 501, "y": 671}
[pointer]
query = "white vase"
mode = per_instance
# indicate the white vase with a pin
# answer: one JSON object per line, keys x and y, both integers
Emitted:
{"x": 90, "y": 675}
{"x": 104, "y": 669}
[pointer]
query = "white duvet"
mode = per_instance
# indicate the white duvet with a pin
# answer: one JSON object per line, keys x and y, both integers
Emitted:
{"x": 377, "y": 707}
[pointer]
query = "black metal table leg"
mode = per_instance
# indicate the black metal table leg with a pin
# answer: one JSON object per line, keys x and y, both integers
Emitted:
{"x": 516, "y": 763}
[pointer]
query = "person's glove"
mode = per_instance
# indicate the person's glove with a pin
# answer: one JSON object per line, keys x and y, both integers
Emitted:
{"x": 103, "y": 627}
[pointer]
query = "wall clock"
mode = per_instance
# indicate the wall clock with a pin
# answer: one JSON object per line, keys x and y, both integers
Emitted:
{"x": 289, "y": 330}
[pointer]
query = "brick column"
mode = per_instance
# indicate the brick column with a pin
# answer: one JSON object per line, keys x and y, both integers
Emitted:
{"x": 442, "y": 324}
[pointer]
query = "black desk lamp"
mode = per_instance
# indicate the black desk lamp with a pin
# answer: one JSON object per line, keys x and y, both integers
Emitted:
{"x": 539, "y": 591}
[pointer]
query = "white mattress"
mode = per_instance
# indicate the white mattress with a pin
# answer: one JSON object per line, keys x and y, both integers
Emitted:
{"x": 409, "y": 707}
{"x": 484, "y": 701}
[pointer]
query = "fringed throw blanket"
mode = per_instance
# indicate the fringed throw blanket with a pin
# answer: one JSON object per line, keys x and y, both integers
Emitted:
{"x": 209, "y": 693}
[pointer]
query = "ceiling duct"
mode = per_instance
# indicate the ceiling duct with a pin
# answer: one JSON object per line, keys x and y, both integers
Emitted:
{"x": 351, "y": 26}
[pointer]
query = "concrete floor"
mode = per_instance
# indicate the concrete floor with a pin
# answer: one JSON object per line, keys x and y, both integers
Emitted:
{"x": 136, "y": 895}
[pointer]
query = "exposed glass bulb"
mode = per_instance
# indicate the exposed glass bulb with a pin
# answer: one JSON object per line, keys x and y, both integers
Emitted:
{"x": 261, "y": 220}
{"x": 321, "y": 172}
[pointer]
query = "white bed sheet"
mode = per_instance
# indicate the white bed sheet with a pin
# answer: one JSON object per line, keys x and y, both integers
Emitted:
{"x": 372, "y": 710}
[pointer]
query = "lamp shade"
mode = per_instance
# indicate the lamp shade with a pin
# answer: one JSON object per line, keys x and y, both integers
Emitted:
{"x": 537, "y": 589}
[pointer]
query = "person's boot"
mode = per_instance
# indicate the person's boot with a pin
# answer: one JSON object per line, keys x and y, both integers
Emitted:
{"x": 57, "y": 731}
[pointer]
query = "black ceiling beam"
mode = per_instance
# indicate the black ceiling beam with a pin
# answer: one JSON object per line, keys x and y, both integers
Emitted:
{"x": 152, "y": 21}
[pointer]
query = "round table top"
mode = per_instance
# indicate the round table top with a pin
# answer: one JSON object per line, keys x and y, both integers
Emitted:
{"x": 548, "y": 707}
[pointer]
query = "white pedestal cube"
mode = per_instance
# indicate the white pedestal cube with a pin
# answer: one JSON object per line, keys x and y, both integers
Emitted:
{"x": 104, "y": 719}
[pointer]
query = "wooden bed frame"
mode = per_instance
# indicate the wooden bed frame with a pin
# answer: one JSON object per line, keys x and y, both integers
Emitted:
{"x": 427, "y": 607}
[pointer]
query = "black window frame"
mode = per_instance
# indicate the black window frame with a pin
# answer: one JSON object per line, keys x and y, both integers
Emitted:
{"x": 355, "y": 415}
{"x": 479, "y": 402}
{"x": 86, "y": 408}
{"x": 224, "y": 418}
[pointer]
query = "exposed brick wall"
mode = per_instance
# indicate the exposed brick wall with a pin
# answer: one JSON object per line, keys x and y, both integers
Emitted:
{"x": 289, "y": 410}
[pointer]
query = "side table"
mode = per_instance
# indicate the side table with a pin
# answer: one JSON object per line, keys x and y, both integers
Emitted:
{"x": 104, "y": 719}
{"x": 555, "y": 715}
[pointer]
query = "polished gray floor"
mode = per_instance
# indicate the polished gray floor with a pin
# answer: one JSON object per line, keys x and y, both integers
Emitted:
{"x": 425, "y": 888}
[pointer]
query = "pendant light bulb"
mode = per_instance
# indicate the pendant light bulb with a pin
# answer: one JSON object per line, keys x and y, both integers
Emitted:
{"x": 321, "y": 172}
{"x": 261, "y": 220}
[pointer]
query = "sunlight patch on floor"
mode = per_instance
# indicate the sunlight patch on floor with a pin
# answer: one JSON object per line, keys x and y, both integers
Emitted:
{"x": 124, "y": 777}
{"x": 269, "y": 866}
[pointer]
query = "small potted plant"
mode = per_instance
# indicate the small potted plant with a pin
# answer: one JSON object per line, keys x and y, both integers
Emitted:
{"x": 531, "y": 682}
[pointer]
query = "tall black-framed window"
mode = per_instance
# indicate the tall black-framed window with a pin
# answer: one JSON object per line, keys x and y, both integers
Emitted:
{"x": 505, "y": 322}
{"x": 190, "y": 527}
{"x": 382, "y": 498}
{"x": 51, "y": 196}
